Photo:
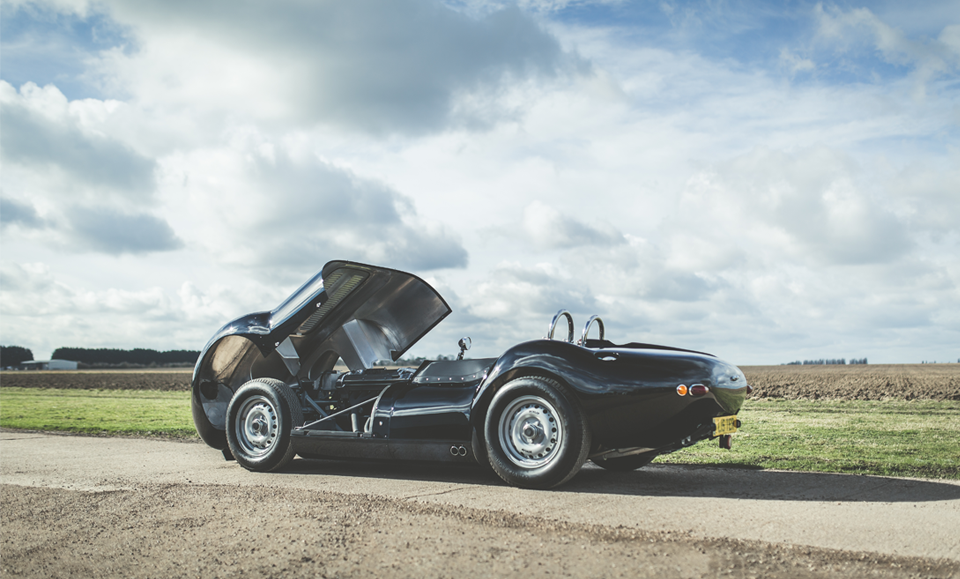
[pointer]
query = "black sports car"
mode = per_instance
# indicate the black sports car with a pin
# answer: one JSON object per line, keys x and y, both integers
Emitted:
{"x": 265, "y": 388}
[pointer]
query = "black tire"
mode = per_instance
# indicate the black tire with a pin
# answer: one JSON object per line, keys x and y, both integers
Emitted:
{"x": 536, "y": 434}
{"x": 625, "y": 463}
{"x": 260, "y": 417}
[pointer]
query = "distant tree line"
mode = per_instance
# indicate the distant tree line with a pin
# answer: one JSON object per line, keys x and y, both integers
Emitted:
{"x": 14, "y": 356}
{"x": 137, "y": 357}
{"x": 823, "y": 361}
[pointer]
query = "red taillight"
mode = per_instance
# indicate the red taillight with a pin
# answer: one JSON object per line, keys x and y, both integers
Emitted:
{"x": 698, "y": 390}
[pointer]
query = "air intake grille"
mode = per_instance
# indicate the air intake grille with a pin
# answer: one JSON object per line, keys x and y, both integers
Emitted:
{"x": 338, "y": 295}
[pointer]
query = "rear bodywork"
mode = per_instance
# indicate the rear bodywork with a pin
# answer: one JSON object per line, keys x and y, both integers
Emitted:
{"x": 629, "y": 392}
{"x": 368, "y": 316}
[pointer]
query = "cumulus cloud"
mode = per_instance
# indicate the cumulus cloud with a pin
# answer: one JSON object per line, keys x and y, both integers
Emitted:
{"x": 852, "y": 30}
{"x": 809, "y": 206}
{"x": 79, "y": 228}
{"x": 34, "y": 295}
{"x": 52, "y": 43}
{"x": 548, "y": 228}
{"x": 950, "y": 37}
{"x": 515, "y": 301}
{"x": 795, "y": 63}
{"x": 837, "y": 24}
{"x": 70, "y": 186}
{"x": 106, "y": 230}
{"x": 638, "y": 296}
{"x": 42, "y": 134}
{"x": 639, "y": 270}
{"x": 256, "y": 205}
{"x": 924, "y": 195}
{"x": 398, "y": 66}
{"x": 15, "y": 213}
{"x": 791, "y": 245}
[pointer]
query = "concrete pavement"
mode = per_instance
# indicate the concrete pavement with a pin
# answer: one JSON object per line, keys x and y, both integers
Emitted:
{"x": 903, "y": 517}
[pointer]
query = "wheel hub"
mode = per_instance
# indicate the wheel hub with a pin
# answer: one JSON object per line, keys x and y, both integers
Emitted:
{"x": 257, "y": 425}
{"x": 530, "y": 432}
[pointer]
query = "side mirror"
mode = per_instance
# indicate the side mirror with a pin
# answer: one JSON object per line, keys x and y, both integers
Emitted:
{"x": 464, "y": 344}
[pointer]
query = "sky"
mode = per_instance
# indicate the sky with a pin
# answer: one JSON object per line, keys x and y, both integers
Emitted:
{"x": 764, "y": 181}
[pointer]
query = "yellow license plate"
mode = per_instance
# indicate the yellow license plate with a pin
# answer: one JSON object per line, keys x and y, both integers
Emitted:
{"x": 724, "y": 425}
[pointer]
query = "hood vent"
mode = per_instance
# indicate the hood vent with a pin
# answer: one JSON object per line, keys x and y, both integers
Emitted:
{"x": 338, "y": 295}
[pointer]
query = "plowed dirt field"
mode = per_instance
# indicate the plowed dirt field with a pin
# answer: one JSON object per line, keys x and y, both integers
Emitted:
{"x": 857, "y": 382}
{"x": 165, "y": 380}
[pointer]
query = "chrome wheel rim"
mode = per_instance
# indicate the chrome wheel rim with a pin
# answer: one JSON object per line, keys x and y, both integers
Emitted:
{"x": 257, "y": 426}
{"x": 530, "y": 432}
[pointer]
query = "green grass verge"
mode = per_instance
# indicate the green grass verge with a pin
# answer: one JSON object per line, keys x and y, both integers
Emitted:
{"x": 918, "y": 438}
{"x": 913, "y": 438}
{"x": 114, "y": 412}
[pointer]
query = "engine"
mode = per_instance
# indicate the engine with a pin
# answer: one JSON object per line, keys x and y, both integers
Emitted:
{"x": 344, "y": 401}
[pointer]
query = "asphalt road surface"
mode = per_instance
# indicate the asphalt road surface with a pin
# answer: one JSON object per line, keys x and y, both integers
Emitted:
{"x": 73, "y": 505}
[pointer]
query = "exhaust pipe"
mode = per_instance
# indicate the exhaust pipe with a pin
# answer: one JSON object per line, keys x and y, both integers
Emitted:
{"x": 458, "y": 451}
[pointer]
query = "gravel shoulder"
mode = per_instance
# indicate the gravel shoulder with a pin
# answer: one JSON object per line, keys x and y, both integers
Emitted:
{"x": 211, "y": 531}
{"x": 81, "y": 506}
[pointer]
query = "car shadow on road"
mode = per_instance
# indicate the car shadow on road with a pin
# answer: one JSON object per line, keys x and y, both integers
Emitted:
{"x": 679, "y": 480}
{"x": 675, "y": 480}
{"x": 454, "y": 473}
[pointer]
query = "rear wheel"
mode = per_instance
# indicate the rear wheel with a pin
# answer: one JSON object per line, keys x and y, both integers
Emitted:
{"x": 536, "y": 434}
{"x": 625, "y": 463}
{"x": 260, "y": 417}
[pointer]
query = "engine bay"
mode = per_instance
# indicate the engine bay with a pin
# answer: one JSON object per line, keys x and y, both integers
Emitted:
{"x": 344, "y": 401}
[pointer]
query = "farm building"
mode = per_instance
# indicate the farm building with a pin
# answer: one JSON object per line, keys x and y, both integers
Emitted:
{"x": 49, "y": 365}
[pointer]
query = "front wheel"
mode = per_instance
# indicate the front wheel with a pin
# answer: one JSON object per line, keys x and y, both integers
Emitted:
{"x": 260, "y": 417}
{"x": 536, "y": 434}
